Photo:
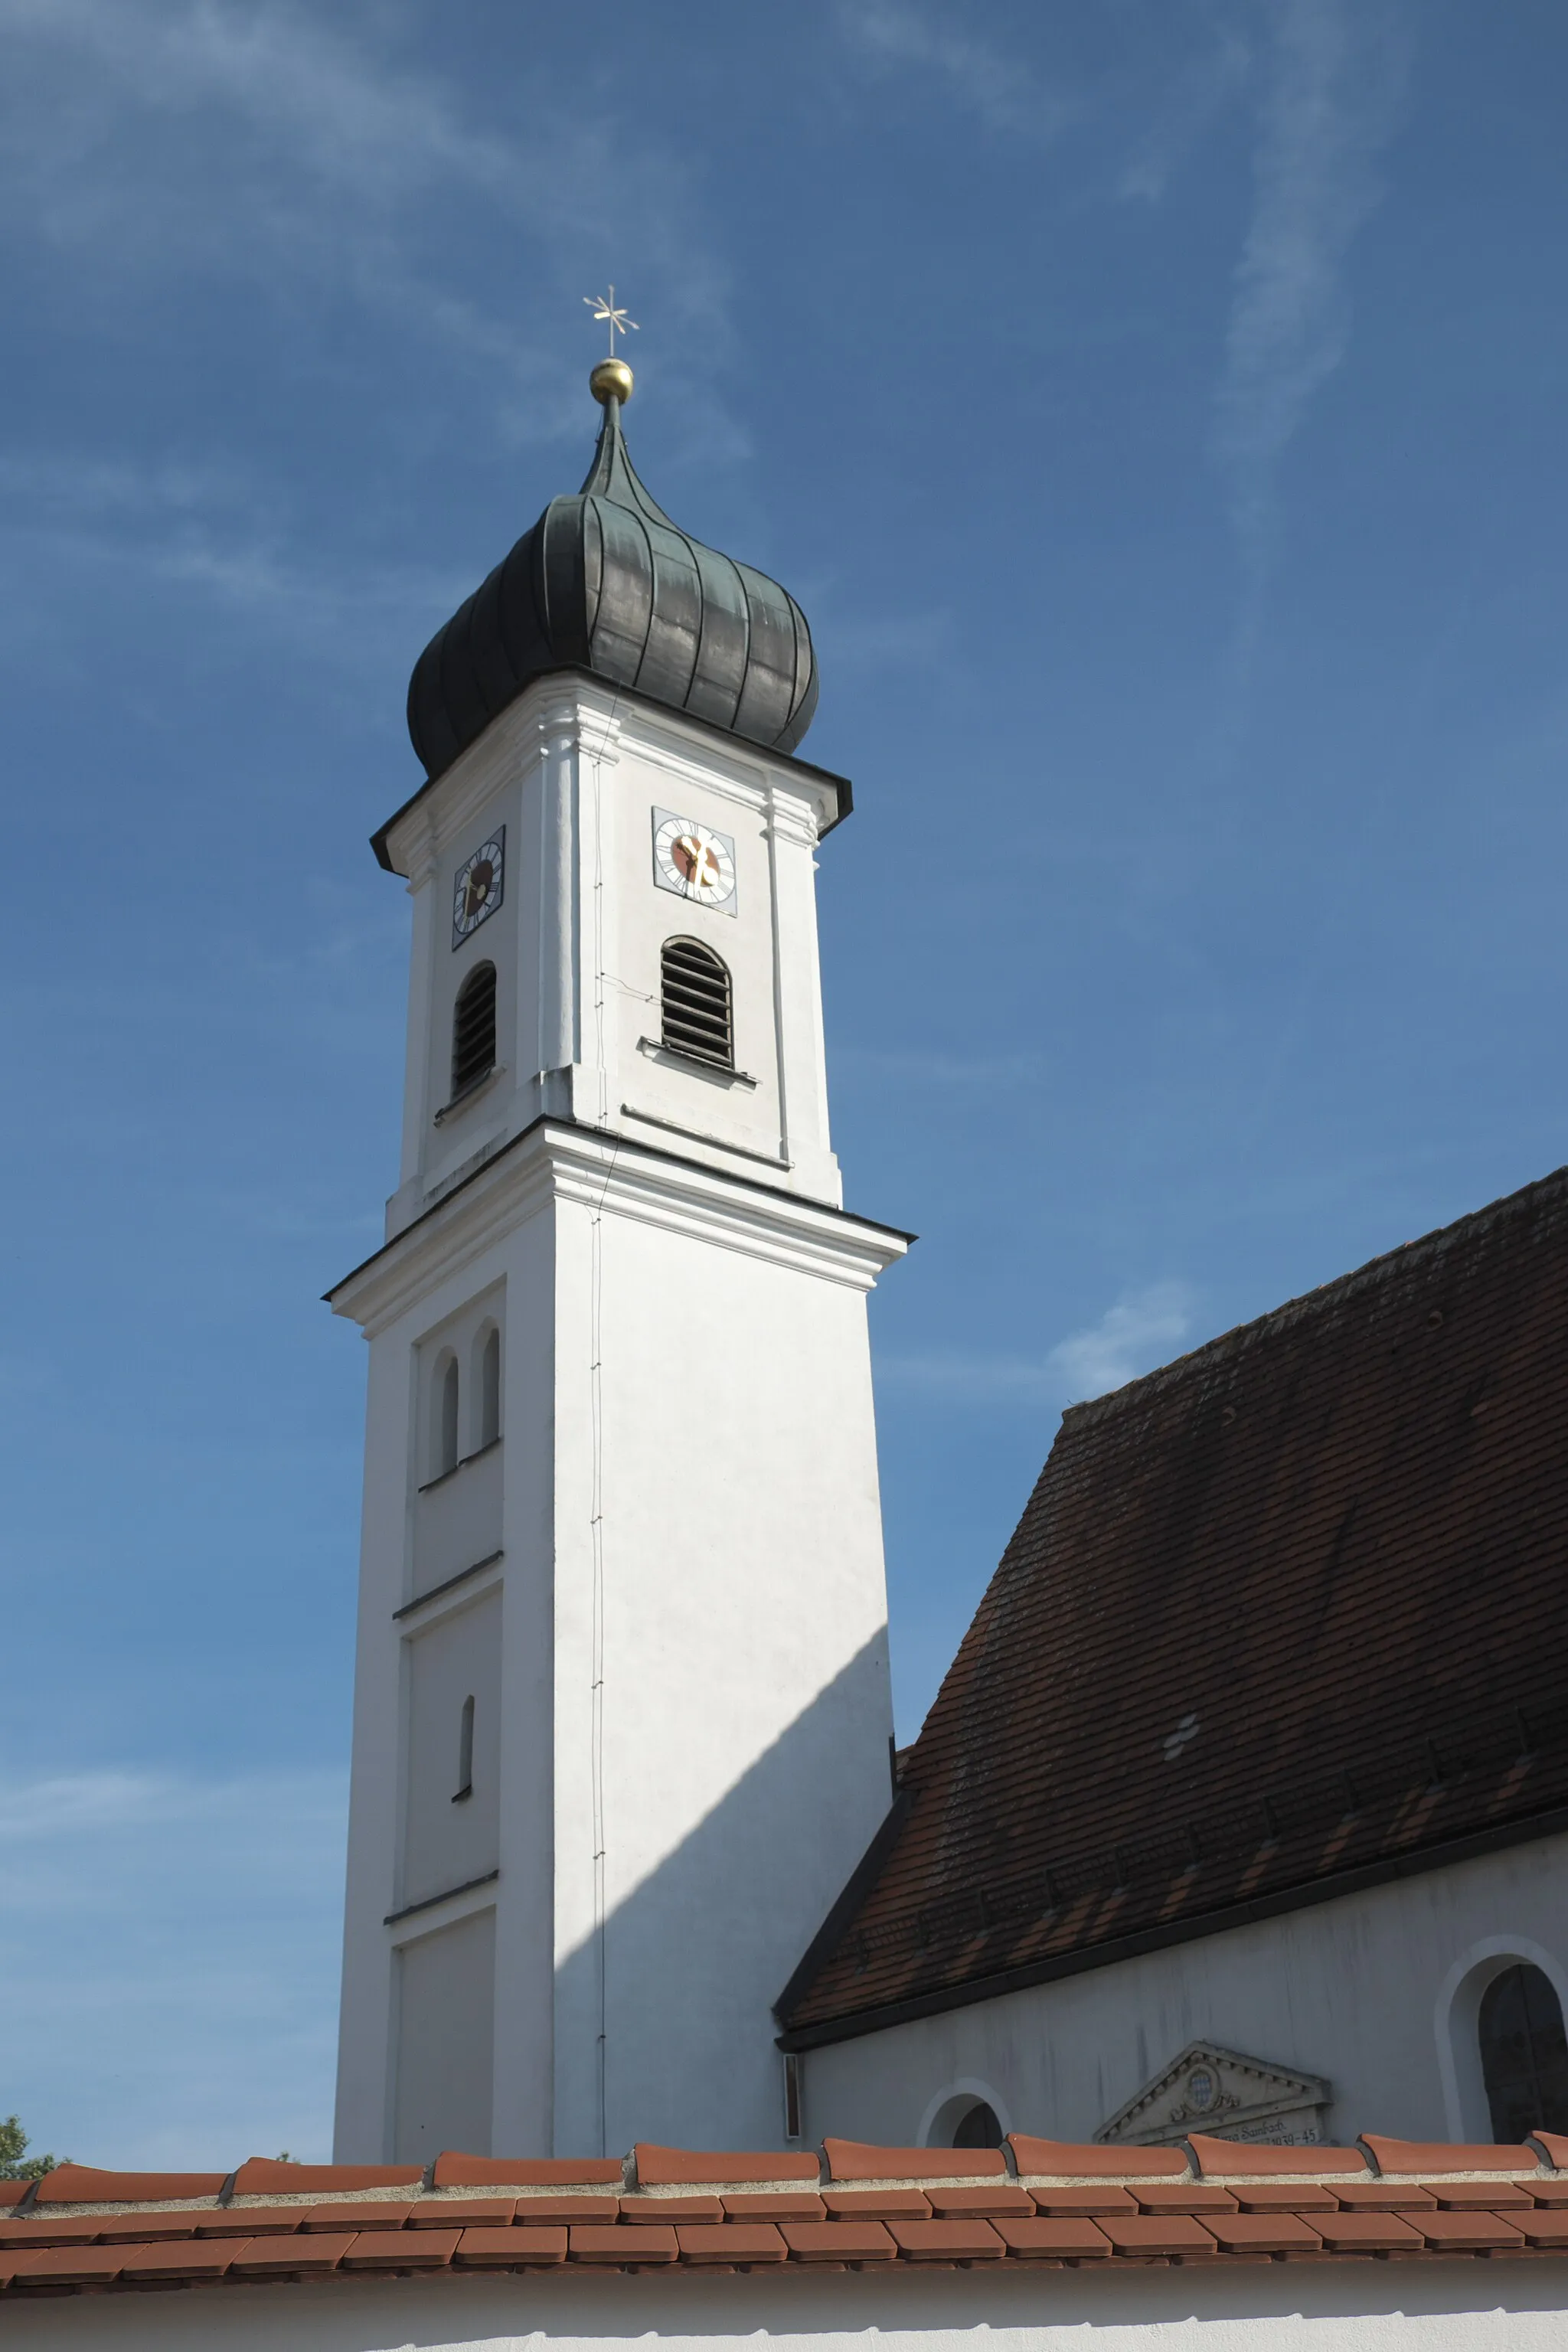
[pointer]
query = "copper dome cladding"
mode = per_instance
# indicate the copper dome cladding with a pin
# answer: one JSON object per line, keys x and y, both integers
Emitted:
{"x": 605, "y": 581}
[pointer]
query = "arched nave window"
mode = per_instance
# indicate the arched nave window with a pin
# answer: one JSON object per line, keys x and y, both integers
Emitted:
{"x": 977, "y": 2127}
{"x": 474, "y": 1029}
{"x": 694, "y": 1000}
{"x": 965, "y": 2115}
{"x": 1524, "y": 2053}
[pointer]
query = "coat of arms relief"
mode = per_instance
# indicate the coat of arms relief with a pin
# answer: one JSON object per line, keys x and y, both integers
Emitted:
{"x": 1207, "y": 2089}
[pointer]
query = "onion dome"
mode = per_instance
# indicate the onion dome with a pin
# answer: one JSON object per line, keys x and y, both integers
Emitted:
{"x": 605, "y": 582}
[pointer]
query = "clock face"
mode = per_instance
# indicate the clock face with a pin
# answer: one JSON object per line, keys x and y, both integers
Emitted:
{"x": 477, "y": 892}
{"x": 693, "y": 861}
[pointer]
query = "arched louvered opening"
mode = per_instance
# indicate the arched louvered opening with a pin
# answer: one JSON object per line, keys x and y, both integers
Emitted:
{"x": 474, "y": 1029}
{"x": 1524, "y": 2053}
{"x": 694, "y": 998}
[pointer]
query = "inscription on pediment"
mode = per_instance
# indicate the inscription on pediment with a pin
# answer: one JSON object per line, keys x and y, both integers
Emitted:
{"x": 1207, "y": 2089}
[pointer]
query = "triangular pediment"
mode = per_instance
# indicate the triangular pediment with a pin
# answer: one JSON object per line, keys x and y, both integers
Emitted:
{"x": 1208, "y": 2089}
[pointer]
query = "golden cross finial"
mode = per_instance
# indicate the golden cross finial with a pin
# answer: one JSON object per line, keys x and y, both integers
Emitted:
{"x": 604, "y": 309}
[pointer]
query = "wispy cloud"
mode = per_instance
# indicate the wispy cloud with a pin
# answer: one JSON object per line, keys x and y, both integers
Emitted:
{"x": 1004, "y": 91}
{"x": 283, "y": 72}
{"x": 1208, "y": 82}
{"x": 262, "y": 143}
{"x": 1140, "y": 1331}
{"x": 169, "y": 1950}
{"x": 1329, "y": 96}
{"x": 203, "y": 530}
{"x": 176, "y": 133}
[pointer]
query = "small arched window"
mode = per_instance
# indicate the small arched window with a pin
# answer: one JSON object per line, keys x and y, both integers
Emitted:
{"x": 465, "y": 1787}
{"x": 694, "y": 999}
{"x": 446, "y": 1421}
{"x": 490, "y": 1387}
{"x": 474, "y": 1029}
{"x": 1524, "y": 2053}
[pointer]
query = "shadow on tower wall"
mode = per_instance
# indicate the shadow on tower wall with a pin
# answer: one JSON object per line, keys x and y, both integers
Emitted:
{"x": 694, "y": 1958}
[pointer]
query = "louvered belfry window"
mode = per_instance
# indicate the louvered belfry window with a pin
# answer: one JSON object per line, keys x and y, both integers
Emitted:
{"x": 474, "y": 1029}
{"x": 694, "y": 985}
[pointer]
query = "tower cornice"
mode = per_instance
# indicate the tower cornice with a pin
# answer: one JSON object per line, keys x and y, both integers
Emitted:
{"x": 556, "y": 1159}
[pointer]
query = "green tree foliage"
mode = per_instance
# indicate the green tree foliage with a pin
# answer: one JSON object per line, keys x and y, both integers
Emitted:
{"x": 15, "y": 2164}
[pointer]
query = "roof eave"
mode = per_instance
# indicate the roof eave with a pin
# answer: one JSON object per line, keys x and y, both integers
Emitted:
{"x": 841, "y": 787}
{"x": 850, "y": 2025}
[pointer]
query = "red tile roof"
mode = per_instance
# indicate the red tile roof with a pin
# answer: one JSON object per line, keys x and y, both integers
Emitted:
{"x": 263, "y": 2175}
{"x": 853, "y": 2159}
{"x": 1249, "y": 2160}
{"x": 85, "y": 2184}
{"x": 1283, "y": 1618}
{"x": 682, "y": 2168}
{"x": 537, "y": 2172}
{"x": 1481, "y": 2203}
{"x": 1064, "y": 2159}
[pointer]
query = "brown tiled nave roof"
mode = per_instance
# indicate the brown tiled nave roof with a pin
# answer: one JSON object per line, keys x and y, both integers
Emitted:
{"x": 1282, "y": 1619}
{"x": 1044, "y": 2203}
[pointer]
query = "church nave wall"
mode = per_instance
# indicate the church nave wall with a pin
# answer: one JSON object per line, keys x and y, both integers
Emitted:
{"x": 1368, "y": 1990}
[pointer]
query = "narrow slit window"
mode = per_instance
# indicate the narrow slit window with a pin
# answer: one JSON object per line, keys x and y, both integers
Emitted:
{"x": 465, "y": 1787}
{"x": 490, "y": 1387}
{"x": 446, "y": 1429}
{"x": 694, "y": 997}
{"x": 792, "y": 2095}
{"x": 474, "y": 1030}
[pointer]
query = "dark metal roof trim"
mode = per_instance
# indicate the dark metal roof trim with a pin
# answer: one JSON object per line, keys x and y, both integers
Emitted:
{"x": 843, "y": 788}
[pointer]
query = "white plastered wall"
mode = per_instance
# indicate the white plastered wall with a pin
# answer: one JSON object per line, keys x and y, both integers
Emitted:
{"x": 1376, "y": 1989}
{"x": 422, "y": 1649}
{"x": 444, "y": 2079}
{"x": 729, "y": 1535}
{"x": 1350, "y": 2306}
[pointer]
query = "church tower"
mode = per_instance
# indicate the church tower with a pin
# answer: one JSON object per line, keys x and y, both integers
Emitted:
{"x": 621, "y": 1715}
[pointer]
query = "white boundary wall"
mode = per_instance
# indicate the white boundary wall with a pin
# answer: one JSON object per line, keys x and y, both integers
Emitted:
{"x": 1513, "y": 2305}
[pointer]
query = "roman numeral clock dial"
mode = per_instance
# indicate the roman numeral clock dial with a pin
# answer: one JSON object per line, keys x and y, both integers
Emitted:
{"x": 693, "y": 861}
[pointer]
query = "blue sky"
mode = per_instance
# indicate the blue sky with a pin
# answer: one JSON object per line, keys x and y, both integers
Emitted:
{"x": 1157, "y": 407}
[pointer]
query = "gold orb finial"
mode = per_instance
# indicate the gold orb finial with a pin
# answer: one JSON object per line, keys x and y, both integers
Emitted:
{"x": 611, "y": 380}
